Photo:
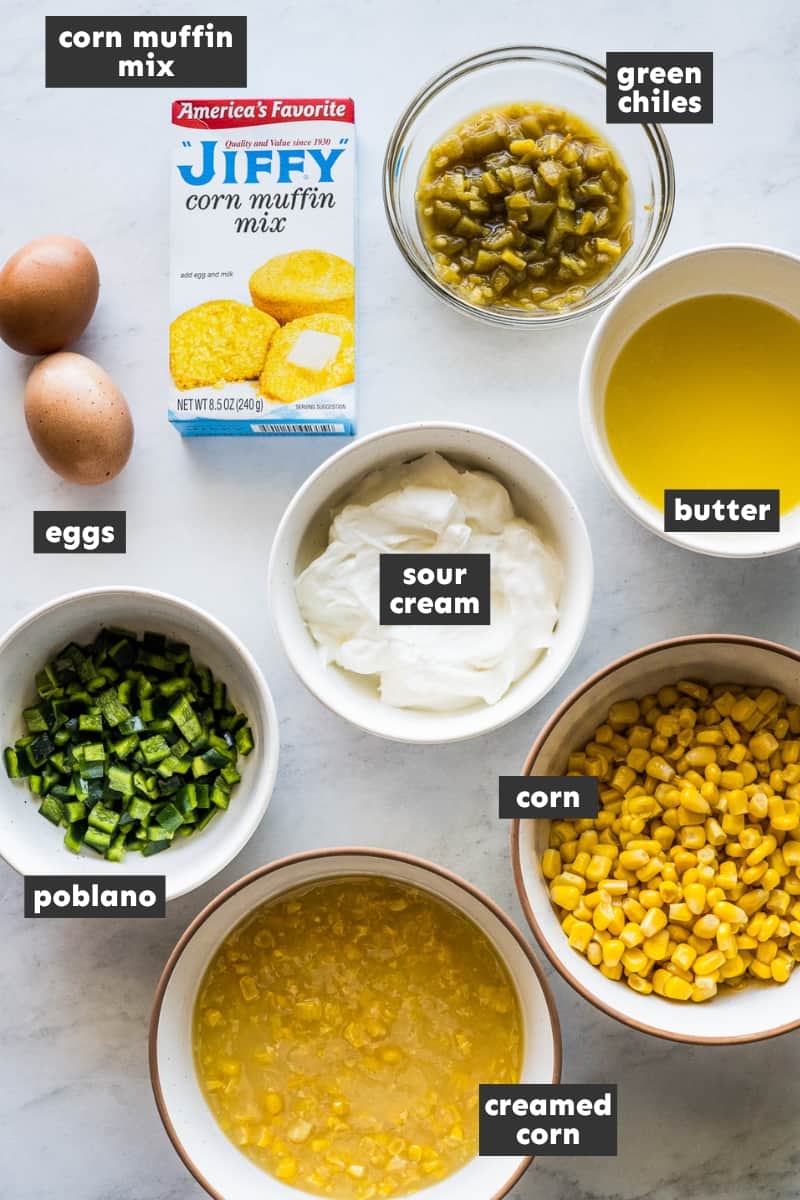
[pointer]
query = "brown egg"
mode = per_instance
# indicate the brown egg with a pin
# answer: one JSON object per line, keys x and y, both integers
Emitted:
{"x": 79, "y": 420}
{"x": 48, "y": 292}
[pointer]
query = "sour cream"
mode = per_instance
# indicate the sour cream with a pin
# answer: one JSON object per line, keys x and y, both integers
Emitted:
{"x": 431, "y": 506}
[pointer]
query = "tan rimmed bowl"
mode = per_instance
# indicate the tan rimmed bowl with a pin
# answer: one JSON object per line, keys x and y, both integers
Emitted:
{"x": 758, "y": 1010}
{"x": 224, "y": 1172}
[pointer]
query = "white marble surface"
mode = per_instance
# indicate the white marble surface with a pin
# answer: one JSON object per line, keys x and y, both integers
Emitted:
{"x": 76, "y": 1116}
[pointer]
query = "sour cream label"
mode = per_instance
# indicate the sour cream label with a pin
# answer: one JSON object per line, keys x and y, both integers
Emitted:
{"x": 435, "y": 589}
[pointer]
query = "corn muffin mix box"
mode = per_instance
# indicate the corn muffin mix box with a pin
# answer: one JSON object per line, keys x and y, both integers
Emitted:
{"x": 262, "y": 267}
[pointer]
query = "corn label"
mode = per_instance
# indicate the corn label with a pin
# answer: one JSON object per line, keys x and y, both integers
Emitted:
{"x": 545, "y": 796}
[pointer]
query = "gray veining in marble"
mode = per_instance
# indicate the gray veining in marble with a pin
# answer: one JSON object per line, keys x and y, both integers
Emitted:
{"x": 76, "y": 1116}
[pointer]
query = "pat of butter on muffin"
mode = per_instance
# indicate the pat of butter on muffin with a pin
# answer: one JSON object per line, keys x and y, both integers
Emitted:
{"x": 288, "y": 383}
{"x": 313, "y": 350}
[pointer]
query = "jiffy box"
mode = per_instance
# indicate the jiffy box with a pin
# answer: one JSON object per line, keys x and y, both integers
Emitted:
{"x": 262, "y": 275}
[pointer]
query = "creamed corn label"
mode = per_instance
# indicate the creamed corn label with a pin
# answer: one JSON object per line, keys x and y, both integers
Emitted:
{"x": 262, "y": 267}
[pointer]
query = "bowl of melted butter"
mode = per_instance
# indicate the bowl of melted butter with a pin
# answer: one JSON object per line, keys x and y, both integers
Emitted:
{"x": 689, "y": 385}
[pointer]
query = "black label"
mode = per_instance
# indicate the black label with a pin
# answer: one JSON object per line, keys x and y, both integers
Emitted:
{"x": 79, "y": 533}
{"x": 549, "y": 1118}
{"x": 435, "y": 589}
{"x": 663, "y": 89}
{"x": 698, "y": 511}
{"x": 527, "y": 796}
{"x": 145, "y": 51}
{"x": 95, "y": 896}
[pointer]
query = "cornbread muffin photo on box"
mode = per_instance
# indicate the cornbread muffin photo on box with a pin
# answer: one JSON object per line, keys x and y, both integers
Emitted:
{"x": 302, "y": 283}
{"x": 308, "y": 356}
{"x": 219, "y": 342}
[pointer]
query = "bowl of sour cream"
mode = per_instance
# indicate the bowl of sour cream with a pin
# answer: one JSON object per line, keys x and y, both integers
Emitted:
{"x": 442, "y": 490}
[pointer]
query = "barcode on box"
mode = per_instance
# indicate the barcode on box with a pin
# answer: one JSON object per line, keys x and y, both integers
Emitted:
{"x": 305, "y": 427}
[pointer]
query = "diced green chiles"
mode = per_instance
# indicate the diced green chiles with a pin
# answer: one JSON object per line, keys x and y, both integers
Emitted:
{"x": 510, "y": 204}
{"x": 121, "y": 734}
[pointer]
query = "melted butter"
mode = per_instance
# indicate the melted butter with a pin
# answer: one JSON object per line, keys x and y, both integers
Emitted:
{"x": 706, "y": 394}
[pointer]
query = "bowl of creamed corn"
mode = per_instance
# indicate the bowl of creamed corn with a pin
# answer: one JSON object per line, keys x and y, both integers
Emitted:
{"x": 677, "y": 908}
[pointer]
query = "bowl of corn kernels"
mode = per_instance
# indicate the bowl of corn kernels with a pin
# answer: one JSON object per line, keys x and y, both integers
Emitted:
{"x": 676, "y": 909}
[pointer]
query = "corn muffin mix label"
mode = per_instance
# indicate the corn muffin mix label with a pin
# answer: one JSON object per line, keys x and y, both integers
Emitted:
{"x": 262, "y": 267}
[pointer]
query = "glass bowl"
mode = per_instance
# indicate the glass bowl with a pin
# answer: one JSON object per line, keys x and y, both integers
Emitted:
{"x": 503, "y": 76}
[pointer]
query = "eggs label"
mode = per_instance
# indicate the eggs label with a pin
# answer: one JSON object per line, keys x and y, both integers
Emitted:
{"x": 95, "y": 896}
{"x": 697, "y": 510}
{"x": 79, "y": 532}
{"x": 571, "y": 796}
{"x": 556, "y": 1118}
{"x": 435, "y": 589}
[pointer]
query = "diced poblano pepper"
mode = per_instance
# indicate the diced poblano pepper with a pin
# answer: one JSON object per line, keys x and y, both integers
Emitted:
{"x": 129, "y": 743}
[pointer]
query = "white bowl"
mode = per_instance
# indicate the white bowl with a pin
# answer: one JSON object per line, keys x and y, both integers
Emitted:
{"x": 303, "y": 532}
{"x": 758, "y": 1010}
{"x": 758, "y": 271}
{"x": 32, "y": 845}
{"x": 215, "y": 1162}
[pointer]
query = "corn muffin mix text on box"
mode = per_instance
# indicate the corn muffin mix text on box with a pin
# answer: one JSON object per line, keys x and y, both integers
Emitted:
{"x": 262, "y": 274}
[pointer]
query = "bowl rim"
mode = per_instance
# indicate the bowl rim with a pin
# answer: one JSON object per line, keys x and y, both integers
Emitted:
{"x": 560, "y": 965}
{"x": 333, "y": 852}
{"x": 271, "y": 753}
{"x": 644, "y": 512}
{"x": 572, "y": 61}
{"x": 474, "y": 431}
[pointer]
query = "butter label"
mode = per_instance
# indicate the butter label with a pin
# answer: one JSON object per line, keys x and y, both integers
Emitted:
{"x": 696, "y": 510}
{"x": 262, "y": 267}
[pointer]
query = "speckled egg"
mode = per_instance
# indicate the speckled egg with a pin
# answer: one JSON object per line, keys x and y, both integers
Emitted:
{"x": 78, "y": 419}
{"x": 48, "y": 292}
